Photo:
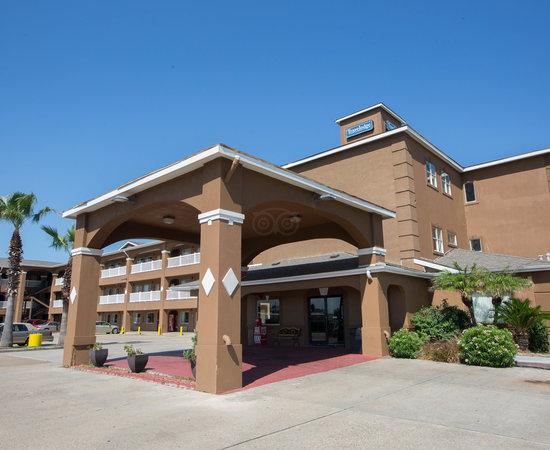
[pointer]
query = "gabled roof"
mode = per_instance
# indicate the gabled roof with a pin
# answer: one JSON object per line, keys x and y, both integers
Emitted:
{"x": 250, "y": 162}
{"x": 370, "y": 108}
{"x": 32, "y": 264}
{"x": 492, "y": 261}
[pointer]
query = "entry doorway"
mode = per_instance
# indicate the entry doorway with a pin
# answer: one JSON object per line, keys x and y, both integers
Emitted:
{"x": 173, "y": 321}
{"x": 326, "y": 320}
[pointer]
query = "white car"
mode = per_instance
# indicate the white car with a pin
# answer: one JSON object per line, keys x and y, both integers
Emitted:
{"x": 105, "y": 328}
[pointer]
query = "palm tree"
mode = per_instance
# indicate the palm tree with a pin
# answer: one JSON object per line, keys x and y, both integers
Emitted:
{"x": 467, "y": 281}
{"x": 520, "y": 317}
{"x": 63, "y": 242}
{"x": 16, "y": 209}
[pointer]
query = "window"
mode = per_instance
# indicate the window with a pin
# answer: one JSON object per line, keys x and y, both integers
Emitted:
{"x": 431, "y": 174}
{"x": 185, "y": 318}
{"x": 268, "y": 311}
{"x": 137, "y": 318}
{"x": 150, "y": 318}
{"x": 469, "y": 191}
{"x": 451, "y": 239}
{"x": 446, "y": 183}
{"x": 475, "y": 245}
{"x": 437, "y": 237}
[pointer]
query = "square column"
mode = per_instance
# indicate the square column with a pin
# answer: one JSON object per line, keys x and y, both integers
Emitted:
{"x": 375, "y": 318}
{"x": 219, "y": 349}
{"x": 82, "y": 306}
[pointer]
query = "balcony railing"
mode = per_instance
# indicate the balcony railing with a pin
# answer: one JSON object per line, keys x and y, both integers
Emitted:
{"x": 58, "y": 303}
{"x": 33, "y": 283}
{"x": 113, "y": 272}
{"x": 184, "y": 260}
{"x": 59, "y": 281}
{"x": 111, "y": 299}
{"x": 151, "y": 296}
{"x": 179, "y": 295}
{"x": 147, "y": 266}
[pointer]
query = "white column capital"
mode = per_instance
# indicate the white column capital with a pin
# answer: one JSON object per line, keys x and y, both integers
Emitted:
{"x": 231, "y": 217}
{"x": 371, "y": 251}
{"x": 86, "y": 251}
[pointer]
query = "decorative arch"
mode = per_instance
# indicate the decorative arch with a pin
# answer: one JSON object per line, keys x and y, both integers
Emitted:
{"x": 397, "y": 307}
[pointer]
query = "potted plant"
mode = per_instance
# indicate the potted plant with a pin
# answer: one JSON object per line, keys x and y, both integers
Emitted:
{"x": 191, "y": 356}
{"x": 98, "y": 355}
{"x": 136, "y": 359}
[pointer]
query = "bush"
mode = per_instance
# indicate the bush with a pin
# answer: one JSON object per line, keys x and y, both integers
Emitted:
{"x": 538, "y": 338}
{"x": 441, "y": 351}
{"x": 405, "y": 344}
{"x": 487, "y": 345}
{"x": 440, "y": 323}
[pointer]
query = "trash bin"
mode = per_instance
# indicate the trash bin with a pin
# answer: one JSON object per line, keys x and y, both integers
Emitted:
{"x": 35, "y": 340}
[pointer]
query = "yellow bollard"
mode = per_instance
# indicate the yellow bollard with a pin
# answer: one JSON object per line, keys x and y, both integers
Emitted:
{"x": 35, "y": 340}
{"x": 122, "y": 330}
{"x": 181, "y": 331}
{"x": 139, "y": 331}
{"x": 158, "y": 330}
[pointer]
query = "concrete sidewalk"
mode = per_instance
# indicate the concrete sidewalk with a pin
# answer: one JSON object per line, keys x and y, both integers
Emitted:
{"x": 386, "y": 403}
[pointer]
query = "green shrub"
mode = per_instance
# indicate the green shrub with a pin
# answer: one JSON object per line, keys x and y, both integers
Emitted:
{"x": 538, "y": 338}
{"x": 405, "y": 344}
{"x": 440, "y": 323}
{"x": 441, "y": 351}
{"x": 487, "y": 345}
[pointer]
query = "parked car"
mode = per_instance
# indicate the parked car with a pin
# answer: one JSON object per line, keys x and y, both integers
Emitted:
{"x": 35, "y": 322}
{"x": 21, "y": 333}
{"x": 105, "y": 328}
{"x": 52, "y": 326}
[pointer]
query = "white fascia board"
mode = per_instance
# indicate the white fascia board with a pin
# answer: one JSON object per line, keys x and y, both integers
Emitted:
{"x": 383, "y": 267}
{"x": 419, "y": 138}
{"x": 370, "y": 108}
{"x": 507, "y": 160}
{"x": 344, "y": 147}
{"x": 305, "y": 183}
{"x": 159, "y": 176}
{"x": 435, "y": 266}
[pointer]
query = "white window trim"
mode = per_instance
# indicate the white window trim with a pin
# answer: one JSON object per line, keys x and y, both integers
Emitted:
{"x": 480, "y": 244}
{"x": 446, "y": 186}
{"x": 475, "y": 193}
{"x": 437, "y": 238}
{"x": 431, "y": 176}
{"x": 451, "y": 243}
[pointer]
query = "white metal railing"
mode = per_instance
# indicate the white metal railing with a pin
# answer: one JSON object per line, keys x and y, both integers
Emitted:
{"x": 147, "y": 266}
{"x": 179, "y": 295}
{"x": 3, "y": 305}
{"x": 151, "y": 296}
{"x": 111, "y": 299}
{"x": 59, "y": 281}
{"x": 184, "y": 260}
{"x": 113, "y": 272}
{"x": 58, "y": 303}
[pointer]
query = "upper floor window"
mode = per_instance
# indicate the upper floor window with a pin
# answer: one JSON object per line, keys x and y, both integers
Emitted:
{"x": 431, "y": 174}
{"x": 475, "y": 245}
{"x": 469, "y": 191}
{"x": 452, "y": 239}
{"x": 437, "y": 237}
{"x": 446, "y": 183}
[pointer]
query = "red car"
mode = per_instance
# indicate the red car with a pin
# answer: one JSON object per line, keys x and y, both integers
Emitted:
{"x": 36, "y": 322}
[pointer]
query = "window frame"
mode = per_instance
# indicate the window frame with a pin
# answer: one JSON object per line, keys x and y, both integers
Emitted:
{"x": 449, "y": 242}
{"x": 438, "y": 239}
{"x": 431, "y": 178}
{"x": 480, "y": 244}
{"x": 278, "y": 313}
{"x": 147, "y": 316}
{"x": 446, "y": 187}
{"x": 466, "y": 195}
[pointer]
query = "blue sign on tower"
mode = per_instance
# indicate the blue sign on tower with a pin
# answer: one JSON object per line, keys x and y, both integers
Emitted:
{"x": 360, "y": 128}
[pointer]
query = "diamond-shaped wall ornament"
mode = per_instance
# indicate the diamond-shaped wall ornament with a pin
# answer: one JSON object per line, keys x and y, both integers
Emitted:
{"x": 208, "y": 281}
{"x": 72, "y": 296}
{"x": 230, "y": 282}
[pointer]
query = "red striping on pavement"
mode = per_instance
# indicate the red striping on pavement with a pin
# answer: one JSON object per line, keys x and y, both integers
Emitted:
{"x": 261, "y": 365}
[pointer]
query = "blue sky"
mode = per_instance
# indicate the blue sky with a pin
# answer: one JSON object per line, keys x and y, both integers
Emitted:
{"x": 93, "y": 94}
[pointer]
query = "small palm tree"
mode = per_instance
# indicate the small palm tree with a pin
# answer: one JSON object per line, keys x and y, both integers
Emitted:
{"x": 16, "y": 209}
{"x": 520, "y": 317}
{"x": 63, "y": 242}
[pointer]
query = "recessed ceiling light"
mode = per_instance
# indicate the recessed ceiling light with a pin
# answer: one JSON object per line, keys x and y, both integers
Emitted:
{"x": 168, "y": 220}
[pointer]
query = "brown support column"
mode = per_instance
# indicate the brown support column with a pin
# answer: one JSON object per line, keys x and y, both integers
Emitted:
{"x": 82, "y": 308}
{"x": 19, "y": 300}
{"x": 375, "y": 318}
{"x": 219, "y": 349}
{"x": 126, "y": 315}
{"x": 163, "y": 314}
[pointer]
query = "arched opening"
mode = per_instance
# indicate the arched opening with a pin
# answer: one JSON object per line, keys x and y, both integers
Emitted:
{"x": 397, "y": 307}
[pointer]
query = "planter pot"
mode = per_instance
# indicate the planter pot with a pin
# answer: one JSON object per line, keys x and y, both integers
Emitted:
{"x": 193, "y": 368}
{"x": 98, "y": 357}
{"x": 137, "y": 363}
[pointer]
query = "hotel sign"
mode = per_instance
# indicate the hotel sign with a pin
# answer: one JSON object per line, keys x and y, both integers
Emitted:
{"x": 360, "y": 128}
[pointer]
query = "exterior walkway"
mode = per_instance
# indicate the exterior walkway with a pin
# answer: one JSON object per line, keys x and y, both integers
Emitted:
{"x": 261, "y": 365}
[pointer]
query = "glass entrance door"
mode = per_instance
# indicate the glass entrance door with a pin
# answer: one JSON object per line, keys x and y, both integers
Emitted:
{"x": 326, "y": 321}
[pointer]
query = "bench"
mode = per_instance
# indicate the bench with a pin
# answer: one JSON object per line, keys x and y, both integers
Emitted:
{"x": 289, "y": 334}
